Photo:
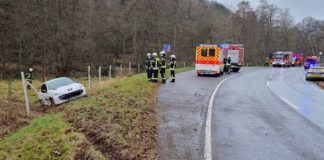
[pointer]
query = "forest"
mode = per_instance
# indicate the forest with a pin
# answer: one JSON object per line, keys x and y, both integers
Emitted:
{"x": 63, "y": 37}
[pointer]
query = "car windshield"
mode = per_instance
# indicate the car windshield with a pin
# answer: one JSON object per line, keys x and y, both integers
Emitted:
{"x": 316, "y": 70}
{"x": 59, "y": 83}
{"x": 278, "y": 56}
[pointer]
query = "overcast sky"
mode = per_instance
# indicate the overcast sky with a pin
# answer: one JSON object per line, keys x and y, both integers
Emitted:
{"x": 299, "y": 9}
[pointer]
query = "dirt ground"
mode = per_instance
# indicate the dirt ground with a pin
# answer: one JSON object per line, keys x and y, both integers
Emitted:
{"x": 321, "y": 84}
{"x": 16, "y": 117}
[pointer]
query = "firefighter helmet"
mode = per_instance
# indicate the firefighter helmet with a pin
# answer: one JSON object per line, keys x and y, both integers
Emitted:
{"x": 30, "y": 70}
{"x": 148, "y": 54}
{"x": 173, "y": 56}
{"x": 162, "y": 53}
{"x": 154, "y": 54}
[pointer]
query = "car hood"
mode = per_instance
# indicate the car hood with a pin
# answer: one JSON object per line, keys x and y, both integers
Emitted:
{"x": 69, "y": 88}
{"x": 316, "y": 72}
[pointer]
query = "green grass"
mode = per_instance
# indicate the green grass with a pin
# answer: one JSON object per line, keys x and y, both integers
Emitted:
{"x": 17, "y": 92}
{"x": 118, "y": 118}
{"x": 40, "y": 140}
{"x": 126, "y": 111}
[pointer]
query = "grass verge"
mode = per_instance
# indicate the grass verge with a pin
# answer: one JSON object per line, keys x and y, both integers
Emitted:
{"x": 321, "y": 84}
{"x": 117, "y": 121}
{"x": 47, "y": 137}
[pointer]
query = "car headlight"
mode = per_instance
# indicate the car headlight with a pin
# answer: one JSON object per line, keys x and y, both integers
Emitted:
{"x": 81, "y": 87}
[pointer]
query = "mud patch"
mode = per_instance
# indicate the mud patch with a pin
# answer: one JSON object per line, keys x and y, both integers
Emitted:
{"x": 14, "y": 118}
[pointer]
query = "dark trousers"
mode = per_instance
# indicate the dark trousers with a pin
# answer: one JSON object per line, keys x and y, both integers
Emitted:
{"x": 149, "y": 74}
{"x": 162, "y": 71}
{"x": 172, "y": 75}
{"x": 155, "y": 75}
{"x": 30, "y": 82}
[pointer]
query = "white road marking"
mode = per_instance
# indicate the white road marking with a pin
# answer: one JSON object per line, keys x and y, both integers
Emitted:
{"x": 290, "y": 104}
{"x": 208, "y": 146}
{"x": 268, "y": 83}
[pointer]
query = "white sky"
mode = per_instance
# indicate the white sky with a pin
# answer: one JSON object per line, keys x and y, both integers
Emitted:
{"x": 299, "y": 9}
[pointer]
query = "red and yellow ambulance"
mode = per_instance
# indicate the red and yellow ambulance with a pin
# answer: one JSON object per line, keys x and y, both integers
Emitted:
{"x": 209, "y": 60}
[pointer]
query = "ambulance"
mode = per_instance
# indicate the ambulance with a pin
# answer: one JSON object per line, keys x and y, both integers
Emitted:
{"x": 209, "y": 60}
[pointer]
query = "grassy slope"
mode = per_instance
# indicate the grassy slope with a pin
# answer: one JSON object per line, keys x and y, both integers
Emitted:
{"x": 118, "y": 119}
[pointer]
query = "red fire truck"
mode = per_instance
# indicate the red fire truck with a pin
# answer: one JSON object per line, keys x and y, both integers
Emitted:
{"x": 236, "y": 52}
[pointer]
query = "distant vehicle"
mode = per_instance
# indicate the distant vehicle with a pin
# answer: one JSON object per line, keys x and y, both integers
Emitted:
{"x": 310, "y": 61}
{"x": 282, "y": 59}
{"x": 315, "y": 73}
{"x": 61, "y": 90}
{"x": 298, "y": 60}
{"x": 209, "y": 60}
{"x": 236, "y": 52}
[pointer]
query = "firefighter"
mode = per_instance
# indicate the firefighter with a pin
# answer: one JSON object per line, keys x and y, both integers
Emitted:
{"x": 225, "y": 65}
{"x": 148, "y": 66}
{"x": 151, "y": 66}
{"x": 172, "y": 65}
{"x": 29, "y": 77}
{"x": 229, "y": 63}
{"x": 267, "y": 62}
{"x": 163, "y": 66}
{"x": 156, "y": 66}
{"x": 229, "y": 60}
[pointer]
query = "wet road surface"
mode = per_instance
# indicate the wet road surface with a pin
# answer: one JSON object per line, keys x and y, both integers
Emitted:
{"x": 260, "y": 113}
{"x": 268, "y": 114}
{"x": 182, "y": 110}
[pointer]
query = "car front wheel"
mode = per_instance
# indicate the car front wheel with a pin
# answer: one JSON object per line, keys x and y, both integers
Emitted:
{"x": 51, "y": 102}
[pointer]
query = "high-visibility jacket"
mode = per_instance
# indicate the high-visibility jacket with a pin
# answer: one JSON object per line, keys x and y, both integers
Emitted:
{"x": 151, "y": 63}
{"x": 29, "y": 75}
{"x": 172, "y": 65}
{"x": 147, "y": 63}
{"x": 163, "y": 62}
{"x": 156, "y": 63}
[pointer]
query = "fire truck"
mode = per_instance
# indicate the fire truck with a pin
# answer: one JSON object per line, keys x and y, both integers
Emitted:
{"x": 298, "y": 60}
{"x": 282, "y": 59}
{"x": 209, "y": 60}
{"x": 236, "y": 52}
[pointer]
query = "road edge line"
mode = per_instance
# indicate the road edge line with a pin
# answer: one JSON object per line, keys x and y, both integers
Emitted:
{"x": 290, "y": 103}
{"x": 207, "y": 148}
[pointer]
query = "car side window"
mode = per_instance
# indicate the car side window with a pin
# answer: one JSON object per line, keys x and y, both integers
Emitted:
{"x": 44, "y": 88}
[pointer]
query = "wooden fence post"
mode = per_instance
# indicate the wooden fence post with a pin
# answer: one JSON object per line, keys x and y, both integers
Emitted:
{"x": 89, "y": 77}
{"x": 25, "y": 91}
{"x": 99, "y": 72}
{"x": 109, "y": 72}
{"x": 129, "y": 68}
{"x": 9, "y": 96}
{"x": 121, "y": 69}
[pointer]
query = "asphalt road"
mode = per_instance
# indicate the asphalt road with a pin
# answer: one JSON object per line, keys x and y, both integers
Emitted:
{"x": 260, "y": 113}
